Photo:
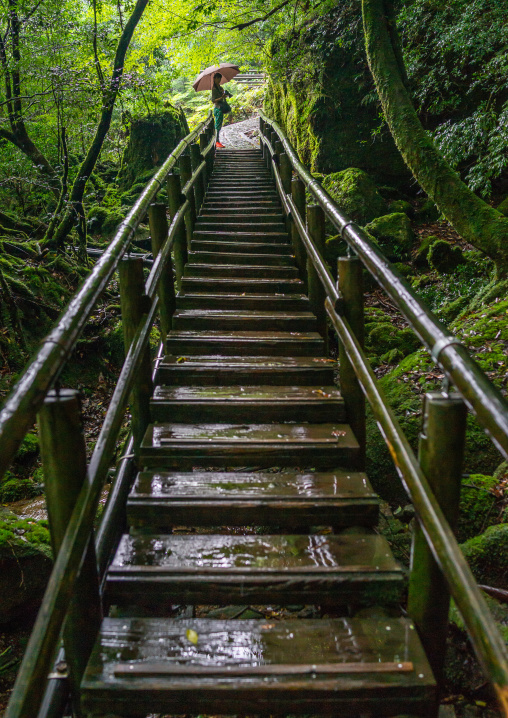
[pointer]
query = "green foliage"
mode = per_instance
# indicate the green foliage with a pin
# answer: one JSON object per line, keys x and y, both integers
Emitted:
{"x": 22, "y": 534}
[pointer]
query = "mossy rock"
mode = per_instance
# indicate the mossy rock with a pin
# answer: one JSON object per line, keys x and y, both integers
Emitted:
{"x": 25, "y": 564}
{"x": 404, "y": 269}
{"x": 427, "y": 212}
{"x": 393, "y": 233}
{"x": 16, "y": 489}
{"x": 503, "y": 207}
{"x": 151, "y": 140}
{"x": 29, "y": 447}
{"x": 487, "y": 556}
{"x": 112, "y": 220}
{"x": 355, "y": 192}
{"x": 421, "y": 258}
{"x": 444, "y": 257}
{"x": 386, "y": 337}
{"x": 451, "y": 310}
{"x": 96, "y": 216}
{"x": 400, "y": 205}
{"x": 477, "y": 506}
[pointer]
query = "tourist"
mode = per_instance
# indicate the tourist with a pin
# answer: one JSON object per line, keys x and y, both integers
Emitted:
{"x": 221, "y": 107}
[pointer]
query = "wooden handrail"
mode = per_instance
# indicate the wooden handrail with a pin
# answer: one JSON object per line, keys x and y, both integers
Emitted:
{"x": 458, "y": 365}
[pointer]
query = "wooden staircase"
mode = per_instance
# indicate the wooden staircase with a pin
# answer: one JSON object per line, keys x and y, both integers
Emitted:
{"x": 249, "y": 431}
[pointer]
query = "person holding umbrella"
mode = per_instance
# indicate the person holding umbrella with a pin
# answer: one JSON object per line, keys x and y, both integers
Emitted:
{"x": 213, "y": 77}
{"x": 220, "y": 105}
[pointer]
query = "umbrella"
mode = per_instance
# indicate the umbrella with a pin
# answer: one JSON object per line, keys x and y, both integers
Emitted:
{"x": 204, "y": 81}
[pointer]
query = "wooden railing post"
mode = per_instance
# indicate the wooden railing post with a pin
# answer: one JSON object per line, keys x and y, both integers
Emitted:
{"x": 316, "y": 292}
{"x": 190, "y": 217}
{"x": 261, "y": 135}
{"x": 441, "y": 453}
{"x": 298, "y": 195}
{"x": 166, "y": 289}
{"x": 134, "y": 304}
{"x": 350, "y": 280}
{"x": 210, "y": 158}
{"x": 176, "y": 199}
{"x": 286, "y": 172}
{"x": 199, "y": 192}
{"x": 63, "y": 453}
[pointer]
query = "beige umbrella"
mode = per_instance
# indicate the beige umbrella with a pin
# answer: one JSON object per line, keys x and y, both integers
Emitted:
{"x": 204, "y": 81}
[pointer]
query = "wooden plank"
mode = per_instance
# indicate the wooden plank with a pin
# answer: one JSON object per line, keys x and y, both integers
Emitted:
{"x": 243, "y": 320}
{"x": 236, "y": 343}
{"x": 240, "y": 271}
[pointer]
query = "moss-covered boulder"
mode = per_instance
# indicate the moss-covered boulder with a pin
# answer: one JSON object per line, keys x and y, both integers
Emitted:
{"x": 151, "y": 140}
{"x": 393, "y": 233}
{"x": 487, "y": 556}
{"x": 503, "y": 207}
{"x": 427, "y": 212}
{"x": 421, "y": 258}
{"x": 356, "y": 193}
{"x": 320, "y": 91}
{"x": 444, "y": 257}
{"x": 400, "y": 205}
{"x": 480, "y": 505}
{"x": 25, "y": 564}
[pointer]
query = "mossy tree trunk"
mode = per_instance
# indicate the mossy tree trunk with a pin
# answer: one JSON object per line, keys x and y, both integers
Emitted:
{"x": 74, "y": 208}
{"x": 471, "y": 217}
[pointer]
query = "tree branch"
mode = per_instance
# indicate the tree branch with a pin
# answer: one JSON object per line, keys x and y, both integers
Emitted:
{"x": 243, "y": 25}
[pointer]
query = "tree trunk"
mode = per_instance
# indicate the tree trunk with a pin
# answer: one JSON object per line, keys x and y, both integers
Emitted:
{"x": 75, "y": 206}
{"x": 471, "y": 217}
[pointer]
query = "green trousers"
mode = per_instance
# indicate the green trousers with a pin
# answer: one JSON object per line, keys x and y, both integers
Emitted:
{"x": 218, "y": 115}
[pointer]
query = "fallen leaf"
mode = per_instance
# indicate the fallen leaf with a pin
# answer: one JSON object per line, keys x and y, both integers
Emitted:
{"x": 192, "y": 636}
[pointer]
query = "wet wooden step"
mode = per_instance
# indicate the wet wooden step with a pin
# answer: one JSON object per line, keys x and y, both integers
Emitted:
{"x": 161, "y": 500}
{"x": 247, "y": 403}
{"x": 342, "y": 666}
{"x": 225, "y": 202}
{"x": 239, "y": 285}
{"x": 322, "y": 446}
{"x": 220, "y": 370}
{"x": 242, "y": 247}
{"x": 228, "y": 212}
{"x": 297, "y": 344}
{"x": 250, "y": 225}
{"x": 239, "y": 238}
{"x": 243, "y": 320}
{"x": 209, "y": 300}
{"x": 240, "y": 271}
{"x": 242, "y": 258}
{"x": 229, "y": 217}
{"x": 154, "y": 570}
{"x": 243, "y": 194}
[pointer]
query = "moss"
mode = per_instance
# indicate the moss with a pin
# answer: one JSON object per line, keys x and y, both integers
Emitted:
{"x": 400, "y": 205}
{"x": 477, "y": 506}
{"x": 427, "y": 212}
{"x": 22, "y": 535}
{"x": 356, "y": 194}
{"x": 29, "y": 446}
{"x": 404, "y": 269}
{"x": 421, "y": 258}
{"x": 487, "y": 556}
{"x": 151, "y": 140}
{"x": 96, "y": 217}
{"x": 444, "y": 257}
{"x": 15, "y": 489}
{"x": 112, "y": 220}
{"x": 503, "y": 207}
{"x": 393, "y": 233}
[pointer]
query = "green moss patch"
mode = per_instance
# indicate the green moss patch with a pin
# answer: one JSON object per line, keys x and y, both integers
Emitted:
{"x": 487, "y": 556}
{"x": 356, "y": 194}
{"x": 393, "y": 233}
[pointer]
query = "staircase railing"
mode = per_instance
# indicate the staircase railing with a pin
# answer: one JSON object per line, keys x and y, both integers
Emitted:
{"x": 33, "y": 394}
{"x": 344, "y": 306}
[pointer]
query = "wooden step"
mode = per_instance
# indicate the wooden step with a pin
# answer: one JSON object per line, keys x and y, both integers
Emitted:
{"x": 237, "y": 285}
{"x": 253, "y": 403}
{"x": 243, "y": 194}
{"x": 160, "y": 500}
{"x": 160, "y": 569}
{"x": 240, "y": 370}
{"x": 342, "y": 666}
{"x": 243, "y": 320}
{"x": 296, "y": 344}
{"x": 322, "y": 446}
{"x": 240, "y": 271}
{"x": 209, "y": 300}
{"x": 242, "y": 247}
{"x": 242, "y": 258}
{"x": 239, "y": 239}
{"x": 250, "y": 225}
{"x": 228, "y": 217}
{"x": 228, "y": 212}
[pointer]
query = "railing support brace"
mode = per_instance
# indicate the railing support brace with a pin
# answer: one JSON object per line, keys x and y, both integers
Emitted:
{"x": 190, "y": 217}
{"x": 316, "y": 292}
{"x": 63, "y": 454}
{"x": 441, "y": 453}
{"x": 159, "y": 232}
{"x": 199, "y": 189}
{"x": 298, "y": 195}
{"x": 133, "y": 302}
{"x": 176, "y": 200}
{"x": 350, "y": 278}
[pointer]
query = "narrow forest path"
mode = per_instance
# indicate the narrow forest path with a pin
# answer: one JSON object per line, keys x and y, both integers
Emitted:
{"x": 236, "y": 136}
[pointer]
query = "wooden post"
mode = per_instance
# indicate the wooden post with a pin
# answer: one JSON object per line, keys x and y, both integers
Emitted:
{"x": 261, "y": 133}
{"x": 298, "y": 194}
{"x": 441, "y": 453}
{"x": 176, "y": 199}
{"x": 166, "y": 291}
{"x": 211, "y": 154}
{"x": 133, "y": 302}
{"x": 286, "y": 172}
{"x": 203, "y": 142}
{"x": 190, "y": 217}
{"x": 198, "y": 184}
{"x": 316, "y": 292}
{"x": 63, "y": 453}
{"x": 350, "y": 276}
